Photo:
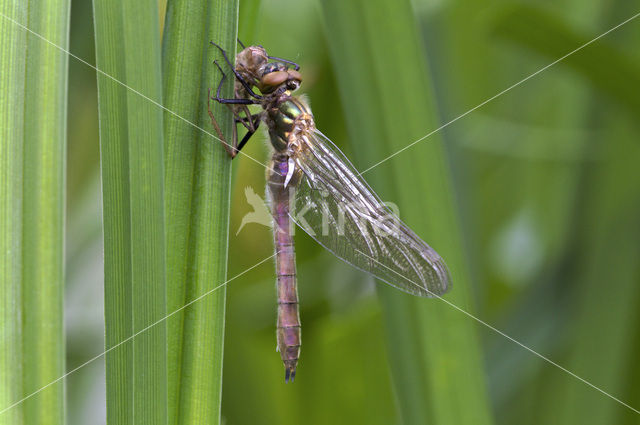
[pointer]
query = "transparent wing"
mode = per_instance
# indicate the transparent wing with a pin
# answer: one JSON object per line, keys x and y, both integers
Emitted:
{"x": 339, "y": 210}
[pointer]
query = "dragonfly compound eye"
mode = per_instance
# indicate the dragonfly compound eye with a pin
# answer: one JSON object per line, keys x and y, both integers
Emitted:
{"x": 273, "y": 67}
{"x": 274, "y": 79}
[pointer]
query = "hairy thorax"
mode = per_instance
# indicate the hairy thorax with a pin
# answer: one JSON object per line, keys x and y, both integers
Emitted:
{"x": 288, "y": 122}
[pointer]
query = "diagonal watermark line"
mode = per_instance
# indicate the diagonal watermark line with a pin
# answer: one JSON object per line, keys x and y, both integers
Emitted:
{"x": 502, "y": 92}
{"x": 125, "y": 86}
{"x": 498, "y": 331}
{"x": 124, "y": 341}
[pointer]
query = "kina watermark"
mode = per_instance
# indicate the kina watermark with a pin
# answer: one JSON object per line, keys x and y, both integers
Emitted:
{"x": 320, "y": 213}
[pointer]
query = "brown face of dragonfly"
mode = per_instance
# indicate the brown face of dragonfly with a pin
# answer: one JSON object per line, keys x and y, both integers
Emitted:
{"x": 277, "y": 77}
{"x": 250, "y": 61}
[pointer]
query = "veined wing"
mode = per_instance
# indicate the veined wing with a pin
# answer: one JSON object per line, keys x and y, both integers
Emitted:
{"x": 339, "y": 210}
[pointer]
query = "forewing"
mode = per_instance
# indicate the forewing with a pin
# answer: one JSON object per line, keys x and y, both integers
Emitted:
{"x": 339, "y": 210}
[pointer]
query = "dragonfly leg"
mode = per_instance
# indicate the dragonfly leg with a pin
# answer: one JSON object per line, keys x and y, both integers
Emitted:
{"x": 230, "y": 148}
{"x": 222, "y": 100}
{"x": 250, "y": 132}
{"x": 238, "y": 76}
{"x": 241, "y": 43}
{"x": 250, "y": 122}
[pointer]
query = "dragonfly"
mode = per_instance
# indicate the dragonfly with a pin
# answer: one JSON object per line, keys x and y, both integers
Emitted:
{"x": 312, "y": 184}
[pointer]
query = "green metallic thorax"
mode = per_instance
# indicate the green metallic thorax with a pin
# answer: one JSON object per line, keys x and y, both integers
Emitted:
{"x": 281, "y": 120}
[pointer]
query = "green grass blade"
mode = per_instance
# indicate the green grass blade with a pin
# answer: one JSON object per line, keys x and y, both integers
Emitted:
{"x": 43, "y": 211}
{"x": 384, "y": 85}
{"x": 197, "y": 184}
{"x": 128, "y": 48}
{"x": 32, "y": 160}
{"x": 183, "y": 40}
{"x": 204, "y": 322}
{"x": 13, "y": 43}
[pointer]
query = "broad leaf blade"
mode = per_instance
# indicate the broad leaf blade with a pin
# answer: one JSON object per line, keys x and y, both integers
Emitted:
{"x": 128, "y": 49}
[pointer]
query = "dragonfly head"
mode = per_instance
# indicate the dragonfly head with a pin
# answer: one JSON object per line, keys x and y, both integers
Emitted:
{"x": 277, "y": 76}
{"x": 249, "y": 61}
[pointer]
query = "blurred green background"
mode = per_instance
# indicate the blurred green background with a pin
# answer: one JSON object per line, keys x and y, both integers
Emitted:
{"x": 547, "y": 186}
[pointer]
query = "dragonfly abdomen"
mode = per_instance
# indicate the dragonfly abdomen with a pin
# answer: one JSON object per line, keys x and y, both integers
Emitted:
{"x": 288, "y": 314}
{"x": 288, "y": 332}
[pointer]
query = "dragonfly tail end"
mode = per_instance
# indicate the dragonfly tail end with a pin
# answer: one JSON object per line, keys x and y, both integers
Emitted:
{"x": 289, "y": 374}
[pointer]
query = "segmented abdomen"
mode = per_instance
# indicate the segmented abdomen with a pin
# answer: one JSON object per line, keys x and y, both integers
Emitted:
{"x": 288, "y": 332}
